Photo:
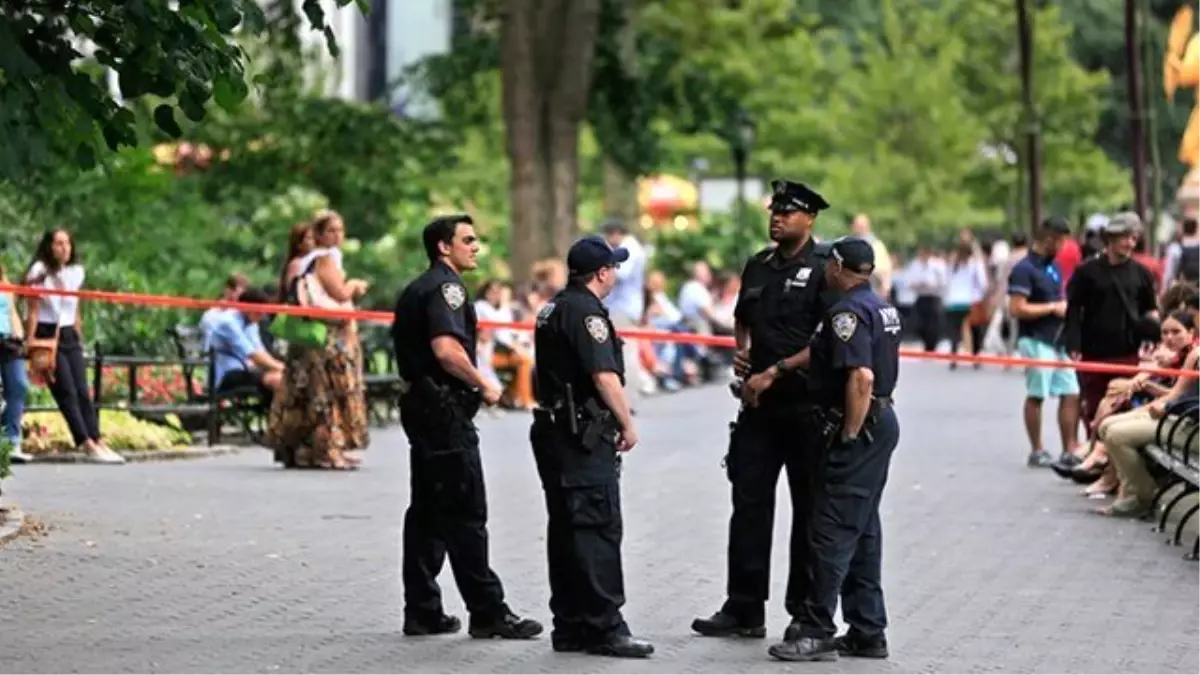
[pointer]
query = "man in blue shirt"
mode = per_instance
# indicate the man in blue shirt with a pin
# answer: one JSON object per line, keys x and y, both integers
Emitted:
{"x": 1036, "y": 300}
{"x": 241, "y": 358}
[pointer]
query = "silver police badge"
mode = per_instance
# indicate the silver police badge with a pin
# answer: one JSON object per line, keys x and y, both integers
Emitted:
{"x": 843, "y": 325}
{"x": 597, "y": 328}
{"x": 454, "y": 295}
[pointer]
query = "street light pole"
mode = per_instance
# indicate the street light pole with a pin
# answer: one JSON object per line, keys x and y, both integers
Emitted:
{"x": 742, "y": 140}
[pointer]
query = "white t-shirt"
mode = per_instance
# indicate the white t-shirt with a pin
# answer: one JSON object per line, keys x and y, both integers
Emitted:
{"x": 58, "y": 309}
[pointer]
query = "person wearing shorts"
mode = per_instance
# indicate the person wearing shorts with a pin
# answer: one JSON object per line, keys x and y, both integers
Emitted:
{"x": 1035, "y": 295}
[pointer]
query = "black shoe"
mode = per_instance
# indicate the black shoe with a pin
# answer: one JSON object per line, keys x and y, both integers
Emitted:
{"x": 722, "y": 624}
{"x": 861, "y": 646}
{"x": 1065, "y": 465}
{"x": 561, "y": 643}
{"x": 792, "y": 632}
{"x": 805, "y": 649}
{"x": 508, "y": 627}
{"x": 442, "y": 625}
{"x": 623, "y": 647}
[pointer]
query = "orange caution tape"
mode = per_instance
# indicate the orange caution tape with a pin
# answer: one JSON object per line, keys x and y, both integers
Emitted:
{"x": 637, "y": 334}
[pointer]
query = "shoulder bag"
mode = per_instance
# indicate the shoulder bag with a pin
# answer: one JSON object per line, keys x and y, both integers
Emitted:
{"x": 42, "y": 353}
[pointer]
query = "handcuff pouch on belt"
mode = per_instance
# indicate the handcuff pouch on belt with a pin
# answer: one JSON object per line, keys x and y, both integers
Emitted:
{"x": 445, "y": 404}
{"x": 832, "y": 420}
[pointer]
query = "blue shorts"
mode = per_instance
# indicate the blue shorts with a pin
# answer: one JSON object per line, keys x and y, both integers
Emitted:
{"x": 1042, "y": 383}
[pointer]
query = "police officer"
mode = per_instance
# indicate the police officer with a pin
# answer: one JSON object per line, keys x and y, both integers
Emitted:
{"x": 855, "y": 359}
{"x": 782, "y": 299}
{"x": 434, "y": 336}
{"x": 583, "y": 422}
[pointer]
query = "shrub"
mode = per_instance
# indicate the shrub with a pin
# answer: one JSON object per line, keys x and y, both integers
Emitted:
{"x": 47, "y": 433}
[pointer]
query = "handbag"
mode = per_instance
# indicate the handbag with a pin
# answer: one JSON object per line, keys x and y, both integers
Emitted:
{"x": 42, "y": 353}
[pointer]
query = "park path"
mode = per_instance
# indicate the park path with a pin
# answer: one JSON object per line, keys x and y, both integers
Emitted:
{"x": 230, "y": 565}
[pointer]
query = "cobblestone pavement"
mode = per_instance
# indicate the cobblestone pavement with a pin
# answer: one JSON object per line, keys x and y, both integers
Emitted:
{"x": 230, "y": 565}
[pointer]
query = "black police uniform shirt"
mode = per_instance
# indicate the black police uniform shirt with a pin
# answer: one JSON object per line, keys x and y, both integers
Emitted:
{"x": 861, "y": 330}
{"x": 434, "y": 304}
{"x": 574, "y": 339}
{"x": 781, "y": 302}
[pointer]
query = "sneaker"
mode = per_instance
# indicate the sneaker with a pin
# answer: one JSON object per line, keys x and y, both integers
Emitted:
{"x": 105, "y": 455}
{"x": 16, "y": 456}
{"x": 1039, "y": 459}
{"x": 862, "y": 647}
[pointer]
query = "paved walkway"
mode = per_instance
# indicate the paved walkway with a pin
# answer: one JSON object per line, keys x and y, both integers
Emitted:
{"x": 230, "y": 565}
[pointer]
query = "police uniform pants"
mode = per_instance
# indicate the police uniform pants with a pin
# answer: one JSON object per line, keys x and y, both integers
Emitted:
{"x": 847, "y": 538}
{"x": 583, "y": 534}
{"x": 447, "y": 516}
{"x": 764, "y": 442}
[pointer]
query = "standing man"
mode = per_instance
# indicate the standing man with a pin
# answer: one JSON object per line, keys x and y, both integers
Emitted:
{"x": 583, "y": 422}
{"x": 435, "y": 335}
{"x": 881, "y": 279}
{"x": 781, "y": 302}
{"x": 1111, "y": 311}
{"x": 855, "y": 363}
{"x": 627, "y": 301}
{"x": 1035, "y": 299}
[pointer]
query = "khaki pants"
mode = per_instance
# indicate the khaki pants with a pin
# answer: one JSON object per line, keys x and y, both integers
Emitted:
{"x": 1122, "y": 435}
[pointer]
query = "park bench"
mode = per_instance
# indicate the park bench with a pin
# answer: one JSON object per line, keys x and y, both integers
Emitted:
{"x": 245, "y": 407}
{"x": 383, "y": 385}
{"x": 1172, "y": 450}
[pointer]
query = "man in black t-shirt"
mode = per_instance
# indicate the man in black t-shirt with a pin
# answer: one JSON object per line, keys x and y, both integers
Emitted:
{"x": 1111, "y": 309}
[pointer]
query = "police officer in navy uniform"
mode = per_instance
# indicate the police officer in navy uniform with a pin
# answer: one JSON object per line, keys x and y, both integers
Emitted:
{"x": 434, "y": 335}
{"x": 782, "y": 299}
{"x": 855, "y": 360}
{"x": 582, "y": 423}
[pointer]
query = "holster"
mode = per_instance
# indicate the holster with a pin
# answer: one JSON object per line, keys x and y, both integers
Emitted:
{"x": 832, "y": 419}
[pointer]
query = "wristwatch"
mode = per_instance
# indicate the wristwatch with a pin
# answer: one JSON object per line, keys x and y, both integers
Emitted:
{"x": 781, "y": 366}
{"x": 847, "y": 439}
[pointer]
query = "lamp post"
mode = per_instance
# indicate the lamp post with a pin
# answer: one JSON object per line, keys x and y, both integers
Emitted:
{"x": 742, "y": 139}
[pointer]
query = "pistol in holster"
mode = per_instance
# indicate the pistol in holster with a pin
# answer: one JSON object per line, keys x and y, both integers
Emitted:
{"x": 599, "y": 426}
{"x": 448, "y": 404}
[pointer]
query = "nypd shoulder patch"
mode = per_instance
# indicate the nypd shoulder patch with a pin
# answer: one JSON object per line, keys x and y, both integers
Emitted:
{"x": 454, "y": 295}
{"x": 844, "y": 325}
{"x": 597, "y": 327}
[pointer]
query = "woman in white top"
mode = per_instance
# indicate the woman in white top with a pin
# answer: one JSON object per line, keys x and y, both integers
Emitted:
{"x": 966, "y": 286}
{"x": 322, "y": 411}
{"x": 55, "y": 266}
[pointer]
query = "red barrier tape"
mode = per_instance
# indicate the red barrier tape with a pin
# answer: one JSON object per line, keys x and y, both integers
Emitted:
{"x": 637, "y": 334}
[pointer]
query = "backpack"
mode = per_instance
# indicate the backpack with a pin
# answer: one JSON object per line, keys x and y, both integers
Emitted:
{"x": 1189, "y": 263}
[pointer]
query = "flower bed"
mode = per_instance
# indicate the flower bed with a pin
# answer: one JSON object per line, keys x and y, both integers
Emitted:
{"x": 157, "y": 385}
{"x": 47, "y": 433}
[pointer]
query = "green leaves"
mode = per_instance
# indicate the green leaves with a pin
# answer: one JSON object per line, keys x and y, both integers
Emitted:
{"x": 56, "y": 104}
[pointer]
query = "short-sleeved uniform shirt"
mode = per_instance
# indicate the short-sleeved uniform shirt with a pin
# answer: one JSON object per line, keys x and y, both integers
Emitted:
{"x": 232, "y": 338}
{"x": 861, "y": 330}
{"x": 781, "y": 302}
{"x": 434, "y": 304}
{"x": 1038, "y": 279}
{"x": 574, "y": 339}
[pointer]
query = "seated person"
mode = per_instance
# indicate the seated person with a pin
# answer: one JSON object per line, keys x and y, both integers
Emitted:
{"x": 1124, "y": 433}
{"x": 235, "y": 285}
{"x": 241, "y": 358}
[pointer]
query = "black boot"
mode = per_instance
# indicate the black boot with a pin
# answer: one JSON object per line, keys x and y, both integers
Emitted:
{"x": 723, "y": 624}
{"x": 622, "y": 646}
{"x": 440, "y": 625}
{"x": 862, "y": 646}
{"x": 805, "y": 649}
{"x": 507, "y": 627}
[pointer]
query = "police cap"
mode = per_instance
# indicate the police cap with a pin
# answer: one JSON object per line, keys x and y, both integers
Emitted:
{"x": 593, "y": 253}
{"x": 790, "y": 196}
{"x": 854, "y": 253}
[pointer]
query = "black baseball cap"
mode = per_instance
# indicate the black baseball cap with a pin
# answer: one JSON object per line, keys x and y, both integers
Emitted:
{"x": 593, "y": 253}
{"x": 854, "y": 253}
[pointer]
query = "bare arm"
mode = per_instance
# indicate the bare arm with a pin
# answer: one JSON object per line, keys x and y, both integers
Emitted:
{"x": 858, "y": 399}
{"x": 265, "y": 361}
{"x": 333, "y": 279}
{"x": 613, "y": 394}
{"x": 1023, "y": 309}
{"x": 741, "y": 336}
{"x": 454, "y": 360}
{"x": 15, "y": 318}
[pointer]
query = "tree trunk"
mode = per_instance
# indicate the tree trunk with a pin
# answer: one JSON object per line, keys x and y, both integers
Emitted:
{"x": 546, "y": 62}
{"x": 1033, "y": 136}
{"x": 1134, "y": 100}
{"x": 620, "y": 194}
